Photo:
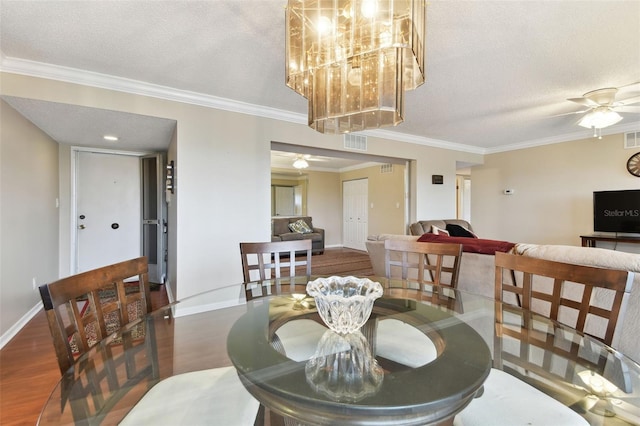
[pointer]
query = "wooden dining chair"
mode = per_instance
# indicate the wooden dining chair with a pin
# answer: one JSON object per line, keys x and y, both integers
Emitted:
{"x": 263, "y": 261}
{"x": 85, "y": 308}
{"x": 426, "y": 263}
{"x": 434, "y": 268}
{"x": 536, "y": 297}
{"x": 83, "y": 311}
{"x": 575, "y": 295}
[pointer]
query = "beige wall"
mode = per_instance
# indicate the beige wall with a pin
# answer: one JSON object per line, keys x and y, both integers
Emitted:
{"x": 553, "y": 184}
{"x": 172, "y": 220}
{"x": 28, "y": 218}
{"x": 209, "y": 146}
{"x": 324, "y": 205}
{"x": 386, "y": 198}
{"x": 552, "y": 202}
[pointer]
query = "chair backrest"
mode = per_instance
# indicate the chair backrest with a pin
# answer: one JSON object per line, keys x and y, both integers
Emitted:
{"x": 574, "y": 295}
{"x": 270, "y": 259}
{"x": 85, "y": 308}
{"x": 434, "y": 258}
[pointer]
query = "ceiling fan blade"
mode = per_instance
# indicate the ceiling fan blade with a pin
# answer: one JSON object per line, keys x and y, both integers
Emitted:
{"x": 584, "y": 101}
{"x": 632, "y": 109}
{"x": 629, "y": 101}
{"x": 630, "y": 84}
{"x": 571, "y": 113}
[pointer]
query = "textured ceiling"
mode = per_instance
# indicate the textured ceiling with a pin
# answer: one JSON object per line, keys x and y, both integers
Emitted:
{"x": 498, "y": 72}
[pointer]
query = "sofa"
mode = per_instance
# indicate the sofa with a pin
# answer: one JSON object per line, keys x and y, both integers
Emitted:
{"x": 281, "y": 231}
{"x": 424, "y": 226}
{"x": 477, "y": 275}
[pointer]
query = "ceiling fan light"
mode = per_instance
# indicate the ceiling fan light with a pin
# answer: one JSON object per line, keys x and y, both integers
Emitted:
{"x": 300, "y": 163}
{"x": 600, "y": 118}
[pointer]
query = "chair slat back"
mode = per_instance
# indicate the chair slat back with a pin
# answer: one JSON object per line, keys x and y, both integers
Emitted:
{"x": 74, "y": 303}
{"x": 271, "y": 259}
{"x": 570, "y": 294}
{"x": 417, "y": 256}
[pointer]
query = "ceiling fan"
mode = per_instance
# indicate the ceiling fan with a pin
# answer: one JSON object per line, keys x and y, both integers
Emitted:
{"x": 300, "y": 161}
{"x": 602, "y": 108}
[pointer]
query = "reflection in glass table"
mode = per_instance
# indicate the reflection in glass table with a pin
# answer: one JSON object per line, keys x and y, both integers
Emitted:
{"x": 214, "y": 357}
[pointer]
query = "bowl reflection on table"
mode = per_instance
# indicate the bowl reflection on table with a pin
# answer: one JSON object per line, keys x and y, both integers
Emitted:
{"x": 344, "y": 303}
{"x": 343, "y": 368}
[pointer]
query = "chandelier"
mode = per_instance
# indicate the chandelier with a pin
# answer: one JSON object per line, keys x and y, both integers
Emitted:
{"x": 353, "y": 60}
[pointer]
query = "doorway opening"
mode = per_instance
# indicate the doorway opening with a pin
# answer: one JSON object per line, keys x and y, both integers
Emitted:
{"x": 321, "y": 186}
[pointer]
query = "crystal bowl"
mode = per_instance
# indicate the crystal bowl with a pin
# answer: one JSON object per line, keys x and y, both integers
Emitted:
{"x": 343, "y": 368}
{"x": 344, "y": 303}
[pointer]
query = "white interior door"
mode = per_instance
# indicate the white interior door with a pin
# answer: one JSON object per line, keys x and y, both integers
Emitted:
{"x": 108, "y": 209}
{"x": 355, "y": 200}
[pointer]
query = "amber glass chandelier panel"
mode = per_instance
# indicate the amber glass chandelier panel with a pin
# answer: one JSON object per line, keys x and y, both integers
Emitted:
{"x": 353, "y": 60}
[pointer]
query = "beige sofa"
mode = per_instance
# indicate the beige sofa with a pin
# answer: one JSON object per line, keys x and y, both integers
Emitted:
{"x": 477, "y": 275}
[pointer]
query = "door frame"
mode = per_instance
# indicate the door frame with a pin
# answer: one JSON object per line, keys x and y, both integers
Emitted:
{"x": 73, "y": 199}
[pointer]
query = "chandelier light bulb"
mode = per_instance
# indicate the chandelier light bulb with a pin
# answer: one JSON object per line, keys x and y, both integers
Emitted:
{"x": 324, "y": 25}
{"x": 355, "y": 76}
{"x": 369, "y": 8}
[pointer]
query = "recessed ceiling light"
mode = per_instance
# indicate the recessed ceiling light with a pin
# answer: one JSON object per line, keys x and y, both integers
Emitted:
{"x": 110, "y": 138}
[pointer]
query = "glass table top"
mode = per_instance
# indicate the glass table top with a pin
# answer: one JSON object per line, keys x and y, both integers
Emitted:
{"x": 420, "y": 359}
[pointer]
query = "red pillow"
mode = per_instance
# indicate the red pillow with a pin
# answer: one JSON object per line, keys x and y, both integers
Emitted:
{"x": 470, "y": 245}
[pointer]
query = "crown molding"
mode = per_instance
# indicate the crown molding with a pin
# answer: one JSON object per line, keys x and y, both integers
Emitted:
{"x": 574, "y": 136}
{"x": 109, "y": 82}
{"x": 105, "y": 81}
{"x": 136, "y": 87}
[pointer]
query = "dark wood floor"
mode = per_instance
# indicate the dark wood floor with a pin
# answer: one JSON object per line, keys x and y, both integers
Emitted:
{"x": 29, "y": 371}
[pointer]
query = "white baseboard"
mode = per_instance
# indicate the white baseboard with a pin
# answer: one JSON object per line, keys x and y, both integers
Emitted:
{"x": 15, "y": 328}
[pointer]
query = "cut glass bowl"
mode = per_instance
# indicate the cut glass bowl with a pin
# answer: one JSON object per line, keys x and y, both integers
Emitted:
{"x": 344, "y": 303}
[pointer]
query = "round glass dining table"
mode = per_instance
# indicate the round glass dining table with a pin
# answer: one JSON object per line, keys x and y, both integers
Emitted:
{"x": 260, "y": 354}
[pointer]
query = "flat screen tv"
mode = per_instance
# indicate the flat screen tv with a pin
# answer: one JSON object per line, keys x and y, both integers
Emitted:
{"x": 616, "y": 211}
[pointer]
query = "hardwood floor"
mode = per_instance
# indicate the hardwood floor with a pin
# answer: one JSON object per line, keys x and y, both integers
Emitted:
{"x": 29, "y": 371}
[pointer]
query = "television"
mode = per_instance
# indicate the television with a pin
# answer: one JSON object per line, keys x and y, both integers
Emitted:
{"x": 616, "y": 211}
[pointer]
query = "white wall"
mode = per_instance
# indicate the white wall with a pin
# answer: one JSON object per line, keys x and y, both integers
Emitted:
{"x": 553, "y": 184}
{"x": 212, "y": 216}
{"x": 28, "y": 218}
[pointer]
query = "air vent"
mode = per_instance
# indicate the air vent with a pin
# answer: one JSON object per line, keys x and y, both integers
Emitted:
{"x": 632, "y": 140}
{"x": 386, "y": 168}
{"x": 356, "y": 142}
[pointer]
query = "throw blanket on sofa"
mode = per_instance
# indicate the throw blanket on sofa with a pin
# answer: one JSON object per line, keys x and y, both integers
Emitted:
{"x": 470, "y": 245}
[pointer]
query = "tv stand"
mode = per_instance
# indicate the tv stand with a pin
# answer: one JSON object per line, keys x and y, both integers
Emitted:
{"x": 590, "y": 240}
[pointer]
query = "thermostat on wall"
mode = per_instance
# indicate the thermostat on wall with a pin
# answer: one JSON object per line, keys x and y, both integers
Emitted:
{"x": 509, "y": 191}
